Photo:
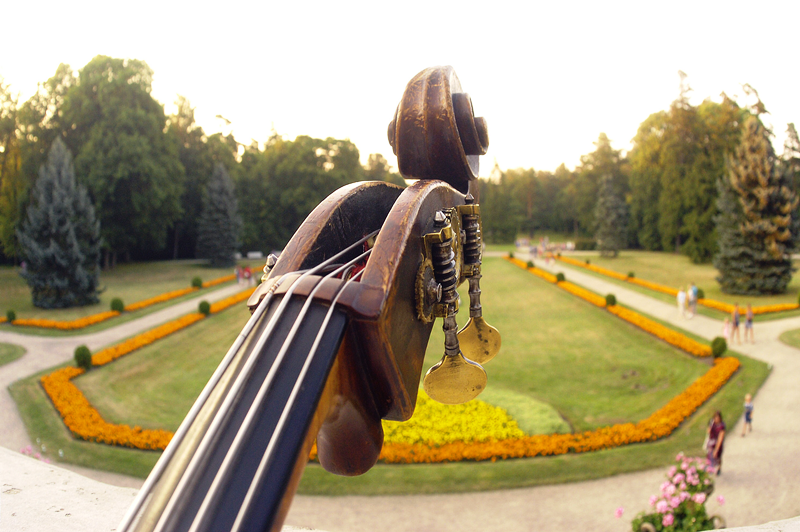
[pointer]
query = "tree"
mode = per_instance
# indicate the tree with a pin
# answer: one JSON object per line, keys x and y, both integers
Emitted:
{"x": 378, "y": 169}
{"x": 219, "y": 224}
{"x": 734, "y": 259}
{"x": 611, "y": 215}
{"x": 603, "y": 161}
{"x": 60, "y": 237}
{"x": 129, "y": 163}
{"x": 13, "y": 189}
{"x": 768, "y": 206}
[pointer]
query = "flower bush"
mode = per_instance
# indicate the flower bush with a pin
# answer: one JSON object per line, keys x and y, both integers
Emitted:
{"x": 681, "y": 503}
{"x": 80, "y": 416}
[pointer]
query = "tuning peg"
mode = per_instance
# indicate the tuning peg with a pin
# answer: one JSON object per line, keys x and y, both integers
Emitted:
{"x": 480, "y": 341}
{"x": 454, "y": 379}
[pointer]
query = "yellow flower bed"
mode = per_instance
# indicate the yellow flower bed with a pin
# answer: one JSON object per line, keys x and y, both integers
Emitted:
{"x": 80, "y": 416}
{"x": 766, "y": 309}
{"x": 591, "y": 297}
{"x": 665, "y": 333}
{"x": 658, "y": 425}
{"x": 436, "y": 424}
{"x": 718, "y": 305}
{"x": 103, "y": 316}
{"x": 547, "y": 276}
{"x": 598, "y": 269}
{"x": 3, "y": 319}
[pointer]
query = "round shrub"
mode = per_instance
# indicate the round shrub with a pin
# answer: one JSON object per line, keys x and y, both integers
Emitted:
{"x": 718, "y": 346}
{"x": 510, "y": 254}
{"x": 11, "y": 316}
{"x": 611, "y": 300}
{"x": 117, "y": 304}
{"x": 83, "y": 357}
{"x": 530, "y": 264}
{"x": 204, "y": 308}
{"x": 197, "y": 282}
{"x": 560, "y": 277}
{"x": 588, "y": 262}
{"x": 701, "y": 294}
{"x": 630, "y": 274}
{"x": 558, "y": 254}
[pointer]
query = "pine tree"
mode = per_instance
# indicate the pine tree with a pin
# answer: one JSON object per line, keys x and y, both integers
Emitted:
{"x": 611, "y": 218}
{"x": 219, "y": 224}
{"x": 757, "y": 260}
{"x": 60, "y": 237}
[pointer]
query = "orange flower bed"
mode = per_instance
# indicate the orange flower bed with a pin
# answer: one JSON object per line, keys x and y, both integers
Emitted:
{"x": 718, "y": 305}
{"x": 103, "y": 316}
{"x": 219, "y": 280}
{"x": 677, "y": 339}
{"x": 547, "y": 276}
{"x": 591, "y": 297}
{"x": 658, "y": 425}
{"x": 598, "y": 269}
{"x": 80, "y": 416}
{"x": 3, "y": 319}
{"x": 766, "y": 309}
{"x": 79, "y": 323}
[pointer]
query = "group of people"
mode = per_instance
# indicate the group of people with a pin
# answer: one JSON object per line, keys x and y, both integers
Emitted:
{"x": 244, "y": 275}
{"x": 730, "y": 327}
{"x": 687, "y": 301}
{"x": 715, "y": 434}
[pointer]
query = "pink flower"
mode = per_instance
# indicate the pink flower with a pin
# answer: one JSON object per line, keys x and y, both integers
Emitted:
{"x": 684, "y": 495}
{"x": 707, "y": 481}
{"x": 37, "y": 456}
{"x": 685, "y": 465}
{"x": 675, "y": 502}
{"x": 692, "y": 471}
{"x": 619, "y": 512}
{"x": 677, "y": 479}
{"x": 46, "y": 460}
{"x": 664, "y": 485}
{"x": 662, "y": 507}
{"x": 680, "y": 457}
{"x": 682, "y": 486}
{"x": 699, "y": 498}
{"x": 668, "y": 520}
{"x": 653, "y": 499}
{"x": 721, "y": 499}
{"x": 670, "y": 490}
{"x": 672, "y": 471}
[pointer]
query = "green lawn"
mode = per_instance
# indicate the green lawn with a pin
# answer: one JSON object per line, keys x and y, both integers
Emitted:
{"x": 10, "y": 352}
{"x": 791, "y": 338}
{"x": 130, "y": 282}
{"x": 557, "y": 349}
{"x": 676, "y": 270}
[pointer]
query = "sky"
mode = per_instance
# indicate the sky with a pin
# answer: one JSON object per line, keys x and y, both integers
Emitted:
{"x": 549, "y": 77}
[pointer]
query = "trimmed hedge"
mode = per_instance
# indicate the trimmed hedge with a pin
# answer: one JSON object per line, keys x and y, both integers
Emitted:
{"x": 117, "y": 305}
{"x": 204, "y": 308}
{"x": 530, "y": 264}
{"x": 611, "y": 300}
{"x": 718, "y": 346}
{"x": 11, "y": 316}
{"x": 560, "y": 277}
{"x": 83, "y": 357}
{"x": 197, "y": 282}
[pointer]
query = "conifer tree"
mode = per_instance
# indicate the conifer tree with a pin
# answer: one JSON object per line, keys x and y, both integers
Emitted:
{"x": 611, "y": 218}
{"x": 60, "y": 237}
{"x": 219, "y": 224}
{"x": 757, "y": 260}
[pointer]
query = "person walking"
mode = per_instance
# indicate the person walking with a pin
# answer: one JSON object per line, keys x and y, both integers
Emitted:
{"x": 726, "y": 329}
{"x": 716, "y": 442}
{"x": 748, "y": 324}
{"x": 682, "y": 302}
{"x": 735, "y": 317}
{"x": 748, "y": 414}
{"x": 692, "y": 300}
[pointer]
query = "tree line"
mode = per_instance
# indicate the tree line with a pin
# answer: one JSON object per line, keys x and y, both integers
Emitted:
{"x": 148, "y": 174}
{"x": 667, "y": 183}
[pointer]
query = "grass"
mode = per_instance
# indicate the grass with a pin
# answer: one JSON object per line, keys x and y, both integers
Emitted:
{"x": 557, "y": 350}
{"x": 10, "y": 352}
{"x": 675, "y": 270}
{"x": 130, "y": 282}
{"x": 791, "y": 338}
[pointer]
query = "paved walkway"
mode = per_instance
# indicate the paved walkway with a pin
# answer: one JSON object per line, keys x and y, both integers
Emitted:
{"x": 759, "y": 480}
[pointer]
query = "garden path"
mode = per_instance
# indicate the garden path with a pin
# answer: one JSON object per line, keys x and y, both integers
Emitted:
{"x": 759, "y": 480}
{"x": 43, "y": 352}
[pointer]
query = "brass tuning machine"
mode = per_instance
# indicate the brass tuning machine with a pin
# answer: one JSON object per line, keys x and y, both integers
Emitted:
{"x": 480, "y": 341}
{"x": 454, "y": 379}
